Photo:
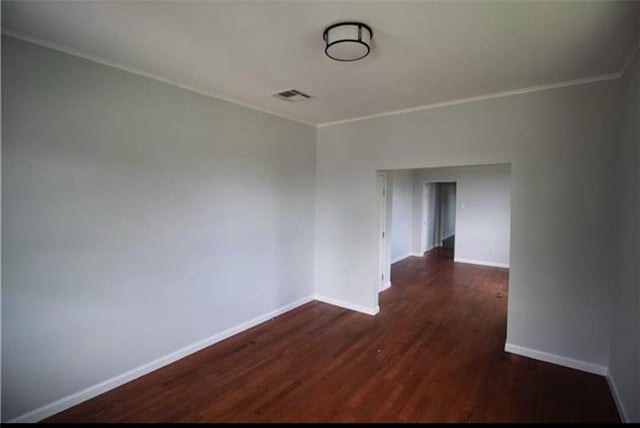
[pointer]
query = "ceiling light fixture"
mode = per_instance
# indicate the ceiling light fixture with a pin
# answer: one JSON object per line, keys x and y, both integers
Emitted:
{"x": 347, "y": 41}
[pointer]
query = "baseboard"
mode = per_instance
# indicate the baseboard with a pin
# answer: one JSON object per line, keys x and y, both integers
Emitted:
{"x": 347, "y": 305}
{"x": 399, "y": 259}
{"x": 556, "y": 359}
{"x": 84, "y": 395}
{"x": 428, "y": 249}
{"x": 481, "y": 262}
{"x": 385, "y": 285}
{"x": 446, "y": 237}
{"x": 624, "y": 417}
{"x": 406, "y": 257}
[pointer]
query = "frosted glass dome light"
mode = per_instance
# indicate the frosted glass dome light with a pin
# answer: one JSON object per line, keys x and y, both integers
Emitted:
{"x": 347, "y": 41}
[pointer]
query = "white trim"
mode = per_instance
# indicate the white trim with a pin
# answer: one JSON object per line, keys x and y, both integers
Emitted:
{"x": 384, "y": 235}
{"x": 424, "y": 215}
{"x": 399, "y": 259}
{"x": 491, "y": 96}
{"x": 406, "y": 256}
{"x": 347, "y": 305}
{"x": 481, "y": 262}
{"x": 385, "y": 285}
{"x": 80, "y": 396}
{"x": 557, "y": 359}
{"x": 448, "y": 236}
{"x": 109, "y": 63}
{"x": 432, "y": 247}
{"x": 616, "y": 397}
{"x": 629, "y": 58}
{"x": 544, "y": 87}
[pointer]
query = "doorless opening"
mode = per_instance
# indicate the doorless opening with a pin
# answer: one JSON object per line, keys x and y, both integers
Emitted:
{"x": 461, "y": 213}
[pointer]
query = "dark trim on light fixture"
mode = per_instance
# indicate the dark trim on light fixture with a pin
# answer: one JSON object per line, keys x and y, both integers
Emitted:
{"x": 360, "y": 26}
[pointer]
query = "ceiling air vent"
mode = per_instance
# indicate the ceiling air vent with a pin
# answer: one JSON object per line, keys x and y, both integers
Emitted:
{"x": 292, "y": 95}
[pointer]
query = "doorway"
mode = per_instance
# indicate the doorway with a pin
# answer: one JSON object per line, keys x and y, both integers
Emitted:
{"x": 442, "y": 216}
{"x": 439, "y": 218}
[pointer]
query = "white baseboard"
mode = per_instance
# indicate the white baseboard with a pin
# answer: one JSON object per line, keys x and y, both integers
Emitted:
{"x": 428, "y": 249}
{"x": 481, "y": 262}
{"x": 347, "y": 305}
{"x": 399, "y": 259}
{"x": 80, "y": 396}
{"x": 557, "y": 359}
{"x": 617, "y": 399}
{"x": 406, "y": 256}
{"x": 385, "y": 285}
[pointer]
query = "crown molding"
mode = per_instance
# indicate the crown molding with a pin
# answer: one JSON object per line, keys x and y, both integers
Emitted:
{"x": 623, "y": 68}
{"x": 592, "y": 79}
{"x": 491, "y": 96}
{"x": 112, "y": 64}
{"x": 629, "y": 58}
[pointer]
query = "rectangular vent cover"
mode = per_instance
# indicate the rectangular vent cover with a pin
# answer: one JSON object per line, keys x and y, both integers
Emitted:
{"x": 292, "y": 95}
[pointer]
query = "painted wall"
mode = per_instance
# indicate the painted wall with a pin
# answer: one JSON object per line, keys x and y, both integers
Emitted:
{"x": 129, "y": 223}
{"x": 401, "y": 214}
{"x": 135, "y": 215}
{"x": 559, "y": 144}
{"x": 425, "y": 212}
{"x": 625, "y": 337}
{"x": 483, "y": 210}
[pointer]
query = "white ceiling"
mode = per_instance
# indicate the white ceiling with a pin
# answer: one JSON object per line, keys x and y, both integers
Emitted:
{"x": 423, "y": 53}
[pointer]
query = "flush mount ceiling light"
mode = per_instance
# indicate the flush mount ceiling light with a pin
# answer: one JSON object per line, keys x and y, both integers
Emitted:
{"x": 347, "y": 41}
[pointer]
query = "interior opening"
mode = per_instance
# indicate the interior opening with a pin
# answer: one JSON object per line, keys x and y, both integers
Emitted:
{"x": 451, "y": 215}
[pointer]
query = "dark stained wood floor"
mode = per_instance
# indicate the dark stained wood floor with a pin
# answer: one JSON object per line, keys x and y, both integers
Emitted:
{"x": 433, "y": 353}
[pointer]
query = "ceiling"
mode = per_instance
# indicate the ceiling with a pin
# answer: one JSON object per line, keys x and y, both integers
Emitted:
{"x": 423, "y": 52}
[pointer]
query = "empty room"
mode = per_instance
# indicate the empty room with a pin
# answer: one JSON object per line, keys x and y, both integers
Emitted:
{"x": 320, "y": 211}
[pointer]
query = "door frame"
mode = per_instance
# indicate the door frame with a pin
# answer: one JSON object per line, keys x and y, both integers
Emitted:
{"x": 427, "y": 188}
{"x": 384, "y": 261}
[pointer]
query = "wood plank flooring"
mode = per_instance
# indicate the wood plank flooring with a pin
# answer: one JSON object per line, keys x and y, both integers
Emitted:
{"x": 433, "y": 354}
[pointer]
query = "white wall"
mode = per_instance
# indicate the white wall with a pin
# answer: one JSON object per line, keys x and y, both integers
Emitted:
{"x": 425, "y": 211}
{"x": 559, "y": 143}
{"x": 625, "y": 337}
{"x": 483, "y": 210}
{"x": 138, "y": 218}
{"x": 126, "y": 233}
{"x": 401, "y": 214}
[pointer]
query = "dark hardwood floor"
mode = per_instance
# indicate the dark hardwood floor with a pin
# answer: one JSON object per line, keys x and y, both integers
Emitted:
{"x": 433, "y": 353}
